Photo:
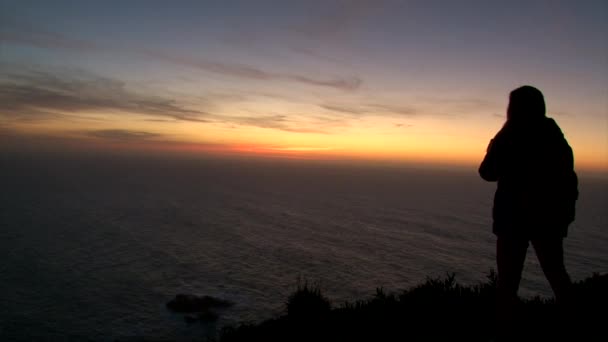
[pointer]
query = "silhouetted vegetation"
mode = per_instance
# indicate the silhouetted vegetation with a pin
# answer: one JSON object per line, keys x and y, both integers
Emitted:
{"x": 437, "y": 310}
{"x": 204, "y": 309}
{"x": 308, "y": 303}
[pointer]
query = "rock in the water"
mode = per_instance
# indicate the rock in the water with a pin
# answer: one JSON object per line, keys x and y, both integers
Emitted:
{"x": 208, "y": 316}
{"x": 192, "y": 303}
{"x": 203, "y": 317}
{"x": 190, "y": 319}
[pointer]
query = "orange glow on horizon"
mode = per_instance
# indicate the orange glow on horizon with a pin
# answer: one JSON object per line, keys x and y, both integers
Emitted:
{"x": 362, "y": 146}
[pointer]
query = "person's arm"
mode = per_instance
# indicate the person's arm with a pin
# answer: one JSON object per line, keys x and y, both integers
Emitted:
{"x": 488, "y": 170}
{"x": 567, "y": 158}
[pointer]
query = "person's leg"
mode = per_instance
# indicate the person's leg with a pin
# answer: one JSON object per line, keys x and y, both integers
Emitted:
{"x": 510, "y": 257}
{"x": 550, "y": 253}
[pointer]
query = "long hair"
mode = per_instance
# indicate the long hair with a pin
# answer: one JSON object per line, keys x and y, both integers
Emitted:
{"x": 526, "y": 103}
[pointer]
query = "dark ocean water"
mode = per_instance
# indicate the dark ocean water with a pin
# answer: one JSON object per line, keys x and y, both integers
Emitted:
{"x": 93, "y": 248}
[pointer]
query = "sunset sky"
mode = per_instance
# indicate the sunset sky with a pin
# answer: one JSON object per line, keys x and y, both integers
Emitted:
{"x": 414, "y": 81}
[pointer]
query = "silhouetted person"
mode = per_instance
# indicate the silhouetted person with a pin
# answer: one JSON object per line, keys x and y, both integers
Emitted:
{"x": 535, "y": 197}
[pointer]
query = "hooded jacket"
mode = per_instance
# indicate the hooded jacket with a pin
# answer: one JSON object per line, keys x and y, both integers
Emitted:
{"x": 537, "y": 185}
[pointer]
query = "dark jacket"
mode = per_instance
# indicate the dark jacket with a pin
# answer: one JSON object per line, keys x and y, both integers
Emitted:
{"x": 537, "y": 186}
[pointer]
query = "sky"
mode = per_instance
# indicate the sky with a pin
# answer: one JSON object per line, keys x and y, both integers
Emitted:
{"x": 412, "y": 81}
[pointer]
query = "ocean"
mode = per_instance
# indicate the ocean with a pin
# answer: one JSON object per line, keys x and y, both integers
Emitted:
{"x": 92, "y": 248}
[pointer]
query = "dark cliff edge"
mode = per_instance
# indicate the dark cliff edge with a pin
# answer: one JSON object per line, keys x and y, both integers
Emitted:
{"x": 437, "y": 310}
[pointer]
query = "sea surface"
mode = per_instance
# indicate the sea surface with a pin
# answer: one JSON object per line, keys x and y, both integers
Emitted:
{"x": 93, "y": 248}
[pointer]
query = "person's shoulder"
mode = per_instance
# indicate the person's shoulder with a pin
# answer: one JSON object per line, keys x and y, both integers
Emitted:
{"x": 551, "y": 127}
{"x": 550, "y": 121}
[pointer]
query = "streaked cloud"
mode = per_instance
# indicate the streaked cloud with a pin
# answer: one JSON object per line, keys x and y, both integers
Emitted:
{"x": 39, "y": 94}
{"x": 249, "y": 72}
{"x": 280, "y": 122}
{"x": 350, "y": 83}
{"x": 371, "y": 109}
{"x": 122, "y": 134}
{"x": 230, "y": 69}
{"x": 344, "y": 109}
{"x": 12, "y": 140}
{"x": 401, "y": 110}
{"x": 35, "y": 95}
{"x": 51, "y": 40}
{"x": 456, "y": 106}
{"x": 459, "y": 105}
{"x": 43, "y": 39}
{"x": 302, "y": 149}
{"x": 335, "y": 18}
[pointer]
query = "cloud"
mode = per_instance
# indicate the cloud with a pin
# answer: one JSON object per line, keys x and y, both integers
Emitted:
{"x": 19, "y": 142}
{"x": 52, "y": 40}
{"x": 371, "y": 109}
{"x": 351, "y": 83}
{"x": 43, "y": 39}
{"x": 280, "y": 122}
{"x": 36, "y": 94}
{"x": 253, "y": 73}
{"x": 231, "y": 69}
{"x": 460, "y": 105}
{"x": 302, "y": 149}
{"x": 311, "y": 52}
{"x": 394, "y": 109}
{"x": 122, "y": 134}
{"x": 337, "y": 18}
{"x": 344, "y": 109}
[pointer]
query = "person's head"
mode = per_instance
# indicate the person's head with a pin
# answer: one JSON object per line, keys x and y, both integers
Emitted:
{"x": 526, "y": 103}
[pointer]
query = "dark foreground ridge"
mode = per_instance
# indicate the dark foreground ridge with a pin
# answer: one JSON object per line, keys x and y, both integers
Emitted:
{"x": 437, "y": 310}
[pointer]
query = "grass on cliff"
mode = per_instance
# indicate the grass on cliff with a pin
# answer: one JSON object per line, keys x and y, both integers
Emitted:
{"x": 437, "y": 310}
